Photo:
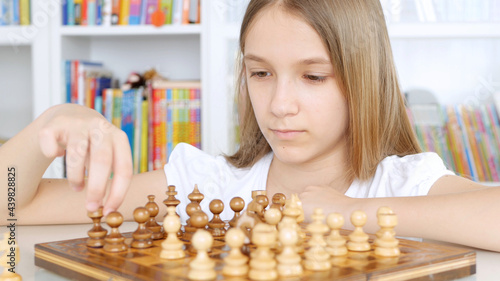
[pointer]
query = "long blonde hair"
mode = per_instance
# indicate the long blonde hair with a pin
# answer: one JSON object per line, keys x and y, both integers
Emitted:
{"x": 355, "y": 35}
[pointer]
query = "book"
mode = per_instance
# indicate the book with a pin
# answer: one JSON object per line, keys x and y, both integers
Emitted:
{"x": 166, "y": 7}
{"x": 115, "y": 12}
{"x": 24, "y": 12}
{"x": 124, "y": 12}
{"x": 135, "y": 12}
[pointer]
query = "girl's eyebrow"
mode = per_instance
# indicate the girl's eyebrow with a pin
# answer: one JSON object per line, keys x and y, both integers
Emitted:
{"x": 308, "y": 61}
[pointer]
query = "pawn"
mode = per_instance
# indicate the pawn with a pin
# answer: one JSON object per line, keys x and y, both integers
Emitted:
{"x": 97, "y": 233}
{"x": 191, "y": 208}
{"x": 289, "y": 261}
{"x": 151, "y": 224}
{"x": 317, "y": 258}
{"x": 258, "y": 192}
{"x": 199, "y": 221}
{"x": 235, "y": 263}
{"x": 202, "y": 267}
{"x": 172, "y": 247}
{"x": 237, "y": 204}
{"x": 358, "y": 239}
{"x": 386, "y": 243}
{"x": 216, "y": 225}
{"x": 380, "y": 211}
{"x": 114, "y": 242}
{"x": 336, "y": 243}
{"x": 264, "y": 202}
{"x": 278, "y": 200}
{"x": 141, "y": 238}
{"x": 263, "y": 263}
{"x": 273, "y": 217}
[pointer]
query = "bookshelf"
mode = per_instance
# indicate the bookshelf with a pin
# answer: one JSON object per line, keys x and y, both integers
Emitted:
{"x": 207, "y": 52}
{"x": 24, "y": 73}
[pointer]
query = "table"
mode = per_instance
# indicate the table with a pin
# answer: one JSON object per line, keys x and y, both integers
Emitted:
{"x": 488, "y": 263}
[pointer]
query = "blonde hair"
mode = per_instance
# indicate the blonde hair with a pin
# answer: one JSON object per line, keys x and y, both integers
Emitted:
{"x": 355, "y": 35}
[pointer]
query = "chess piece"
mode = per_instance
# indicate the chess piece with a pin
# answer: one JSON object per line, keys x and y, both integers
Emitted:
{"x": 262, "y": 262}
{"x": 380, "y": 211}
{"x": 237, "y": 204}
{"x": 291, "y": 213}
{"x": 264, "y": 202}
{"x": 151, "y": 224}
{"x": 141, "y": 238}
{"x": 216, "y": 225}
{"x": 202, "y": 267}
{"x": 301, "y": 217}
{"x": 317, "y": 258}
{"x": 249, "y": 219}
{"x": 172, "y": 247}
{"x": 9, "y": 258}
{"x": 273, "y": 217}
{"x": 199, "y": 220}
{"x": 386, "y": 243}
{"x": 278, "y": 201}
{"x": 114, "y": 242}
{"x": 358, "y": 239}
{"x": 258, "y": 192}
{"x": 336, "y": 243}
{"x": 289, "y": 261}
{"x": 171, "y": 200}
{"x": 235, "y": 263}
{"x": 191, "y": 208}
{"x": 196, "y": 195}
{"x": 97, "y": 232}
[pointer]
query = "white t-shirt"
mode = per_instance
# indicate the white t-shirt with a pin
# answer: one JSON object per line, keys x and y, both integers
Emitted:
{"x": 395, "y": 176}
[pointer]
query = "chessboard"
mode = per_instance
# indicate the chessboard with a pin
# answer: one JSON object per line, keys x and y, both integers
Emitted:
{"x": 142, "y": 255}
{"x": 418, "y": 260}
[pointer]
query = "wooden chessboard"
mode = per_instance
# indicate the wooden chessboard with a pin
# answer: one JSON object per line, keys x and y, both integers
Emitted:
{"x": 418, "y": 260}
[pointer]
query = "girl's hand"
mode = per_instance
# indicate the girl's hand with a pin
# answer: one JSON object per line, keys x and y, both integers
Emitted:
{"x": 91, "y": 144}
{"x": 324, "y": 197}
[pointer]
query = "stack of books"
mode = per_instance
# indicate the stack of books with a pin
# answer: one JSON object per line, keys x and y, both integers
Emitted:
{"x": 15, "y": 12}
{"x": 129, "y": 12}
{"x": 155, "y": 117}
{"x": 466, "y": 137}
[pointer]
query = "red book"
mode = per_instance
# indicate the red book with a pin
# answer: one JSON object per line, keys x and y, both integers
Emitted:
{"x": 84, "y": 12}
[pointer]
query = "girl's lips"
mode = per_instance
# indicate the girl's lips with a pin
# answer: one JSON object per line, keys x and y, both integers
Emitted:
{"x": 286, "y": 134}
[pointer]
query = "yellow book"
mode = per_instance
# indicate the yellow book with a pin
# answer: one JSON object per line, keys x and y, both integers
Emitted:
{"x": 124, "y": 12}
{"x": 24, "y": 12}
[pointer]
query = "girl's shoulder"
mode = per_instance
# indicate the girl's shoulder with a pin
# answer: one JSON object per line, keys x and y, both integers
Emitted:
{"x": 410, "y": 175}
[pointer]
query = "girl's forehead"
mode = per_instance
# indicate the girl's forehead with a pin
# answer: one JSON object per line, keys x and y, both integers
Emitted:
{"x": 276, "y": 33}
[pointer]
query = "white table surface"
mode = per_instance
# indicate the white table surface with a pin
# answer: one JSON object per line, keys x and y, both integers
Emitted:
{"x": 487, "y": 263}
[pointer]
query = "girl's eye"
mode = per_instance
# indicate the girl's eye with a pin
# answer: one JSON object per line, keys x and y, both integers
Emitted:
{"x": 260, "y": 74}
{"x": 315, "y": 78}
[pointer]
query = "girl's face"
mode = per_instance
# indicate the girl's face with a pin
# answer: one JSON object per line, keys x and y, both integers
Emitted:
{"x": 293, "y": 89}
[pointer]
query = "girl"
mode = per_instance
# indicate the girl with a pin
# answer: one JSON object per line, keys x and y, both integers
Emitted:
{"x": 322, "y": 116}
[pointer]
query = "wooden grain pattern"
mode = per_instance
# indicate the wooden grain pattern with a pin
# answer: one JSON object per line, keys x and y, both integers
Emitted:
{"x": 418, "y": 261}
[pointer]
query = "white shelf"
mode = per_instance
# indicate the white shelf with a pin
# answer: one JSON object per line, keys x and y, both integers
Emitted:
{"x": 130, "y": 30}
{"x": 444, "y": 30}
{"x": 15, "y": 35}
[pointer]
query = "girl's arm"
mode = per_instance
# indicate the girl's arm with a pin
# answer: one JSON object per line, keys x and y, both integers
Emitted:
{"x": 456, "y": 210}
{"x": 90, "y": 143}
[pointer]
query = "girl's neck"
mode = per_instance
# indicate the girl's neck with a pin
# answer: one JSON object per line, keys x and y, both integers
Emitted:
{"x": 289, "y": 179}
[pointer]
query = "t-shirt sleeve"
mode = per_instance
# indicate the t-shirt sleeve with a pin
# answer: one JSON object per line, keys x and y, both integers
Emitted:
{"x": 411, "y": 175}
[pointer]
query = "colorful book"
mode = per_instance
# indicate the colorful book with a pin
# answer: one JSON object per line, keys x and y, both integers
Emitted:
{"x": 135, "y": 12}
{"x": 124, "y": 12}
{"x": 166, "y": 7}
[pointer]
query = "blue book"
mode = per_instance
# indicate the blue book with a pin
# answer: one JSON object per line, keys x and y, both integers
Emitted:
{"x": 64, "y": 12}
{"x": 98, "y": 18}
{"x": 70, "y": 12}
{"x": 128, "y": 115}
{"x": 91, "y": 12}
{"x": 67, "y": 77}
{"x": 15, "y": 13}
